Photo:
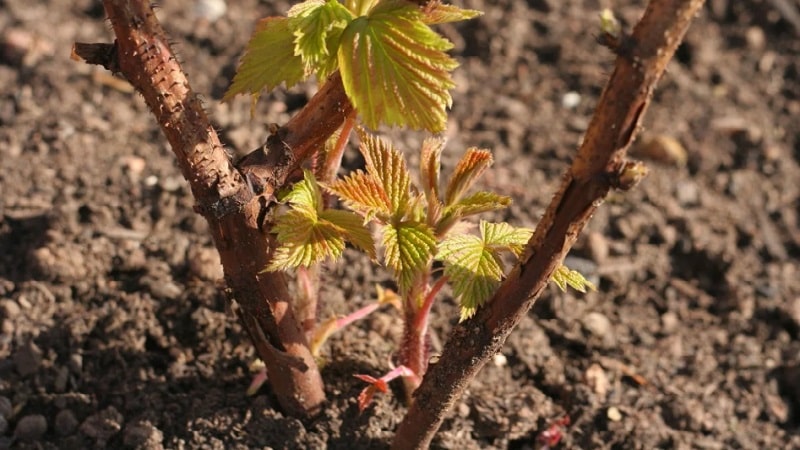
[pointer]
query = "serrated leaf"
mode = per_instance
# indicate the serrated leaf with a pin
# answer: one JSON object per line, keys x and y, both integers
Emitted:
{"x": 564, "y": 276}
{"x": 430, "y": 167}
{"x": 395, "y": 69}
{"x": 408, "y": 249}
{"x": 502, "y": 236}
{"x": 360, "y": 7}
{"x": 269, "y": 60}
{"x": 304, "y": 242}
{"x": 437, "y": 12}
{"x": 362, "y": 193}
{"x": 353, "y": 229}
{"x": 387, "y": 165}
{"x": 308, "y": 234}
{"x": 318, "y": 26}
{"x": 474, "y": 270}
{"x": 479, "y": 202}
{"x": 470, "y": 167}
{"x": 305, "y": 196}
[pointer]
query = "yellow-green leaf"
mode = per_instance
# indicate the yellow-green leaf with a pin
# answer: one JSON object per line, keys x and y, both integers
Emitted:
{"x": 353, "y": 228}
{"x": 305, "y": 196}
{"x": 269, "y": 60}
{"x": 364, "y": 194}
{"x": 476, "y": 203}
{"x": 437, "y": 12}
{"x": 564, "y": 276}
{"x": 474, "y": 270}
{"x": 395, "y": 69}
{"x": 304, "y": 241}
{"x": 318, "y": 26}
{"x": 470, "y": 167}
{"x": 387, "y": 165}
{"x": 502, "y": 236}
{"x": 408, "y": 249}
{"x": 309, "y": 234}
{"x": 430, "y": 168}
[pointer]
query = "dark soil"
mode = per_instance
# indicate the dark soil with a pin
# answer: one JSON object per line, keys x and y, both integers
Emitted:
{"x": 114, "y": 331}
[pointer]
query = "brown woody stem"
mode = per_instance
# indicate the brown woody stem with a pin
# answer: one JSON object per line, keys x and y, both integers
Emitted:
{"x": 599, "y": 166}
{"x": 143, "y": 55}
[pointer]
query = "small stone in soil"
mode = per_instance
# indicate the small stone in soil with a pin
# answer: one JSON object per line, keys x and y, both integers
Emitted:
{"x": 142, "y": 435}
{"x": 103, "y": 425}
{"x": 31, "y": 428}
{"x": 27, "y": 359}
{"x": 66, "y": 423}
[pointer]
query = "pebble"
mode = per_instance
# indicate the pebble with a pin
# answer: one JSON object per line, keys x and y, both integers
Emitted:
{"x": 669, "y": 322}
{"x": 597, "y": 379}
{"x": 66, "y": 423}
{"x": 27, "y": 359}
{"x": 571, "y": 100}
{"x": 210, "y": 10}
{"x": 142, "y": 435}
{"x": 102, "y": 426}
{"x": 599, "y": 326}
{"x": 613, "y": 413}
{"x": 204, "y": 263}
{"x": 3, "y": 425}
{"x": 598, "y": 247}
{"x": 9, "y": 309}
{"x": 31, "y": 428}
{"x": 661, "y": 148}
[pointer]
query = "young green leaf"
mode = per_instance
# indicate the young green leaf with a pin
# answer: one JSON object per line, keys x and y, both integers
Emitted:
{"x": 430, "y": 168}
{"x": 269, "y": 60}
{"x": 473, "y": 263}
{"x": 503, "y": 237}
{"x": 395, "y": 69}
{"x": 387, "y": 165}
{"x": 479, "y": 202}
{"x": 364, "y": 194}
{"x": 308, "y": 234}
{"x": 469, "y": 168}
{"x": 318, "y": 26}
{"x": 564, "y": 276}
{"x": 408, "y": 249}
{"x": 352, "y": 228}
{"x": 437, "y": 12}
{"x": 473, "y": 269}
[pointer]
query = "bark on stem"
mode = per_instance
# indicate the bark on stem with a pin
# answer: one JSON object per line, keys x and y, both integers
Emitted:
{"x": 143, "y": 55}
{"x": 599, "y": 166}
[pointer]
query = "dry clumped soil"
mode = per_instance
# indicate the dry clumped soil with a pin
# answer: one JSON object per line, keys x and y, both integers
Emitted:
{"x": 115, "y": 333}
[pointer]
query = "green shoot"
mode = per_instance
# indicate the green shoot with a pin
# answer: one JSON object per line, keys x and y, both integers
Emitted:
{"x": 394, "y": 67}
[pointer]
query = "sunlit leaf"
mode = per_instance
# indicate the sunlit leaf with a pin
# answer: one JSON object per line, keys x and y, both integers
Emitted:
{"x": 473, "y": 268}
{"x": 408, "y": 249}
{"x": 269, "y": 60}
{"x": 473, "y": 263}
{"x": 305, "y": 196}
{"x": 387, "y": 165}
{"x": 469, "y": 168}
{"x": 395, "y": 69}
{"x": 437, "y": 12}
{"x": 304, "y": 242}
{"x": 563, "y": 277}
{"x": 479, "y": 202}
{"x": 502, "y": 236}
{"x": 353, "y": 229}
{"x": 364, "y": 194}
{"x": 430, "y": 167}
{"x": 318, "y": 26}
{"x": 309, "y": 234}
